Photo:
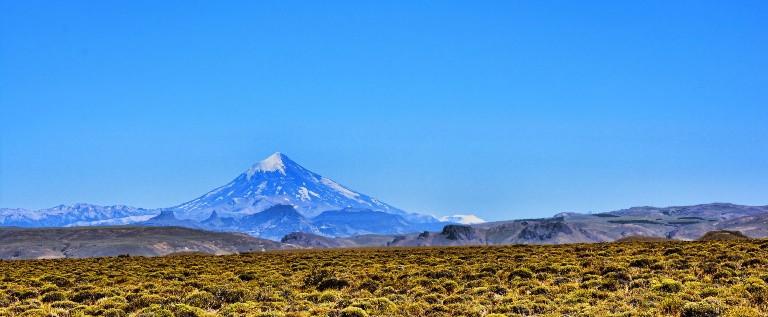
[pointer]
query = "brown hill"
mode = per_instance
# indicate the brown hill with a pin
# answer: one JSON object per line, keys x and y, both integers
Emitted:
{"x": 82, "y": 242}
{"x": 722, "y": 235}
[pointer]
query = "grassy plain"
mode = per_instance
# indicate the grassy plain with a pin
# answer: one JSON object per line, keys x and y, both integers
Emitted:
{"x": 711, "y": 278}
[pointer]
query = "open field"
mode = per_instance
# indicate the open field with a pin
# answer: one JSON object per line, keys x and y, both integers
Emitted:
{"x": 712, "y": 278}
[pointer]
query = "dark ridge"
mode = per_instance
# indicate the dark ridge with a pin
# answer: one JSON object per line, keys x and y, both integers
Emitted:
{"x": 213, "y": 217}
{"x": 624, "y": 222}
{"x": 606, "y": 215}
{"x": 682, "y": 222}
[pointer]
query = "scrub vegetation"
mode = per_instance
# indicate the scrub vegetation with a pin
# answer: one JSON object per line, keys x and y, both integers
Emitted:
{"x": 672, "y": 278}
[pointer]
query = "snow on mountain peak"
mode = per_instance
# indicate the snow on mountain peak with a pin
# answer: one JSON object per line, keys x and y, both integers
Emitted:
{"x": 274, "y": 163}
{"x": 462, "y": 219}
{"x": 280, "y": 180}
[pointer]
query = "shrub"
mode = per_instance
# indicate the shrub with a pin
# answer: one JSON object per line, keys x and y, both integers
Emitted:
{"x": 227, "y": 294}
{"x": 21, "y": 294}
{"x": 238, "y": 309}
{"x": 353, "y": 312}
{"x": 57, "y": 280}
{"x": 642, "y": 262}
{"x": 369, "y": 285}
{"x": 65, "y": 304}
{"x": 140, "y": 301}
{"x": 181, "y": 310}
{"x": 34, "y": 313}
{"x": 328, "y": 296}
{"x": 668, "y": 286}
{"x": 724, "y": 273}
{"x": 522, "y": 273}
{"x": 201, "y": 299}
{"x": 88, "y": 296}
{"x": 154, "y": 311}
{"x": 743, "y": 311}
{"x": 48, "y": 288}
{"x": 758, "y": 290}
{"x": 332, "y": 283}
{"x": 114, "y": 312}
{"x": 700, "y": 309}
{"x": 450, "y": 286}
{"x": 432, "y": 299}
{"x": 113, "y": 302}
{"x": 54, "y": 297}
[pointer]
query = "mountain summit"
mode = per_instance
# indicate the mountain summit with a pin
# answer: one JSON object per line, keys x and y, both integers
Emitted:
{"x": 280, "y": 180}
{"x": 274, "y": 163}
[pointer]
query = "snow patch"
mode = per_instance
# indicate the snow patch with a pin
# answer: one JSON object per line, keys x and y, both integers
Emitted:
{"x": 339, "y": 189}
{"x": 304, "y": 194}
{"x": 273, "y": 163}
{"x": 462, "y": 219}
{"x": 261, "y": 187}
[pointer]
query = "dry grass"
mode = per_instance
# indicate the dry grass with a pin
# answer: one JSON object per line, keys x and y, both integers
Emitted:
{"x": 713, "y": 278}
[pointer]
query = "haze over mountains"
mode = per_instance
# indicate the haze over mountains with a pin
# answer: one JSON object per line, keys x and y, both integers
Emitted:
{"x": 679, "y": 223}
{"x": 279, "y": 200}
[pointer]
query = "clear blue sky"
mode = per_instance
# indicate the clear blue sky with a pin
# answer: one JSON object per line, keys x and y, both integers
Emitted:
{"x": 508, "y": 109}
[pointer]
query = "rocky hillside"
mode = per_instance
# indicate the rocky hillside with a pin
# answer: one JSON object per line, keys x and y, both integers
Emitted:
{"x": 679, "y": 223}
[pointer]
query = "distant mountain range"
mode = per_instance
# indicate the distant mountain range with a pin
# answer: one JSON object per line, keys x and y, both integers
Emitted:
{"x": 75, "y": 215}
{"x": 160, "y": 236}
{"x": 274, "y": 197}
{"x": 679, "y": 223}
{"x": 280, "y": 200}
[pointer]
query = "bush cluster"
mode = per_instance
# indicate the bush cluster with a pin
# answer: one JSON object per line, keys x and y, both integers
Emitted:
{"x": 710, "y": 278}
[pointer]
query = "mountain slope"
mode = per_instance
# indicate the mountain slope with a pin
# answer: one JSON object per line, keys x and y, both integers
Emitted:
{"x": 166, "y": 218}
{"x": 276, "y": 222}
{"x": 353, "y": 221}
{"x": 713, "y": 211}
{"x": 279, "y": 180}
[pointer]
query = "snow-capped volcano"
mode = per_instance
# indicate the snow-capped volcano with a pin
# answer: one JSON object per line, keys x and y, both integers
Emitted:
{"x": 279, "y": 180}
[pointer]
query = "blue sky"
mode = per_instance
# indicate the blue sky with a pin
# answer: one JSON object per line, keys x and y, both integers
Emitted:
{"x": 508, "y": 109}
